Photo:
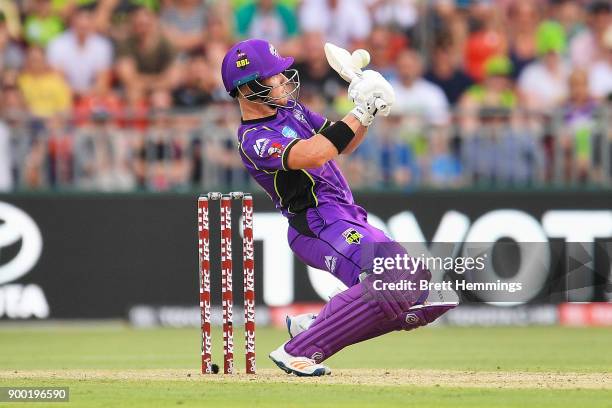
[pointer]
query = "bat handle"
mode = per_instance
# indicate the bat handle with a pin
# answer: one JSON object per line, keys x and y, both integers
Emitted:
{"x": 380, "y": 104}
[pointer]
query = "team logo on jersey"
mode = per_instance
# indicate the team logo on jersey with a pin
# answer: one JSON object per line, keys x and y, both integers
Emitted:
{"x": 260, "y": 146}
{"x": 275, "y": 150}
{"x": 299, "y": 116}
{"x": 352, "y": 236}
{"x": 330, "y": 263}
{"x": 289, "y": 132}
{"x": 242, "y": 61}
{"x": 273, "y": 51}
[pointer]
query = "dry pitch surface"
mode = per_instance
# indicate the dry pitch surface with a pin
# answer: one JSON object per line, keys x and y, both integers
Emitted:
{"x": 367, "y": 377}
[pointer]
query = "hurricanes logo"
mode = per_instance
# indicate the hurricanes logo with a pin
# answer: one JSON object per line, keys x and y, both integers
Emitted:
{"x": 352, "y": 236}
{"x": 243, "y": 61}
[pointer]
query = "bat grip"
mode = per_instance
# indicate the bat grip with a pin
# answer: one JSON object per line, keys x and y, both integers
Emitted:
{"x": 380, "y": 104}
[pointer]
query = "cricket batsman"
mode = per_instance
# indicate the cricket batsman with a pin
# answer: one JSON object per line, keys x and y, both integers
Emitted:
{"x": 290, "y": 151}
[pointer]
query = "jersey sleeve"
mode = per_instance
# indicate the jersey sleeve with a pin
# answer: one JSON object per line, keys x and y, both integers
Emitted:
{"x": 266, "y": 149}
{"x": 318, "y": 121}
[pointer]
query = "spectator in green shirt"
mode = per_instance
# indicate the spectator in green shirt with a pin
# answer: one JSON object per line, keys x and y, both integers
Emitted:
{"x": 268, "y": 20}
{"x": 42, "y": 24}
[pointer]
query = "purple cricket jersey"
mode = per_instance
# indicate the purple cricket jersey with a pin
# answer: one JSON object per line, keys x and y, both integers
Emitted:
{"x": 264, "y": 147}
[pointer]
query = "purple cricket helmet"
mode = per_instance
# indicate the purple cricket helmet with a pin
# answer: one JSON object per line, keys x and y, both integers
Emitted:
{"x": 251, "y": 61}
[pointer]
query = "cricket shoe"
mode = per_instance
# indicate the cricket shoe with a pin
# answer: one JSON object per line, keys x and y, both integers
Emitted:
{"x": 299, "y": 323}
{"x": 300, "y": 366}
{"x": 423, "y": 314}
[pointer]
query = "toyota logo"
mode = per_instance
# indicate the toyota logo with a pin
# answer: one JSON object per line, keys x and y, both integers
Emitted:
{"x": 17, "y": 225}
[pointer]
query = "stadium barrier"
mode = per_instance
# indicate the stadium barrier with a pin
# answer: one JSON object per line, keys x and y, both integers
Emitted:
{"x": 179, "y": 151}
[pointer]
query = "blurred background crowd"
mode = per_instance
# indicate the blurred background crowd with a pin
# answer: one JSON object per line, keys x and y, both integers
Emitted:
{"x": 122, "y": 95}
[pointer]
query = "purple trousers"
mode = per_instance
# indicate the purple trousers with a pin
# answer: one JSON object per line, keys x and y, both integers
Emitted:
{"x": 335, "y": 244}
{"x": 340, "y": 240}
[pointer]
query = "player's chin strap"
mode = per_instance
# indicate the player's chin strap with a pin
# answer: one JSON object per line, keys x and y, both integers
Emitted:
{"x": 261, "y": 93}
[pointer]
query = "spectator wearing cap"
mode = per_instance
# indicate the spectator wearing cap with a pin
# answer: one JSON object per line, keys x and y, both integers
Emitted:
{"x": 493, "y": 149}
{"x": 83, "y": 56}
{"x": 184, "y": 23}
{"x": 586, "y": 47}
{"x": 415, "y": 96}
{"x": 266, "y": 19}
{"x": 346, "y": 23}
{"x": 146, "y": 59}
{"x": 446, "y": 75}
{"x": 42, "y": 23}
{"x": 543, "y": 83}
{"x": 600, "y": 73}
{"x": 496, "y": 91}
{"x": 45, "y": 91}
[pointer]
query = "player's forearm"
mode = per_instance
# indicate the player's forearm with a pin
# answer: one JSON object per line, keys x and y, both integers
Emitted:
{"x": 360, "y": 135}
{"x": 321, "y": 148}
{"x": 311, "y": 153}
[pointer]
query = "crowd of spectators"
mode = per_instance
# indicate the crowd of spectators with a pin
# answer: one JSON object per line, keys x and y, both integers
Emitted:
{"x": 125, "y": 94}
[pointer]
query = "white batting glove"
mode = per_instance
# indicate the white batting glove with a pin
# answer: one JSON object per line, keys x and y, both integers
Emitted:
{"x": 362, "y": 113}
{"x": 373, "y": 94}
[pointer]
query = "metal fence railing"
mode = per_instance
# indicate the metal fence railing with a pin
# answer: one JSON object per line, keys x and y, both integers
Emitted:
{"x": 168, "y": 151}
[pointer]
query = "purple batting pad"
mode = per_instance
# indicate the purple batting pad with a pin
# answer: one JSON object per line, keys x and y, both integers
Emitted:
{"x": 344, "y": 319}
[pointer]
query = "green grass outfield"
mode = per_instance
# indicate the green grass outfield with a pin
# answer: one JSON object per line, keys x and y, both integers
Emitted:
{"x": 113, "y": 366}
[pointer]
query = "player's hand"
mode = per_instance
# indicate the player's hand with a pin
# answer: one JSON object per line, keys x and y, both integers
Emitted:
{"x": 372, "y": 94}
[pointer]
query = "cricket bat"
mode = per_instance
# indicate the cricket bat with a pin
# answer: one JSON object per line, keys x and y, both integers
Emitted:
{"x": 348, "y": 65}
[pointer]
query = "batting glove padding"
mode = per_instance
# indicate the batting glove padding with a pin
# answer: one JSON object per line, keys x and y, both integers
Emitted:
{"x": 373, "y": 94}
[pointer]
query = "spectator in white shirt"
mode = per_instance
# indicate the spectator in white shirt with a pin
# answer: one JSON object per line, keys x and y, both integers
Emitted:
{"x": 416, "y": 96}
{"x": 402, "y": 14}
{"x": 345, "y": 23}
{"x": 600, "y": 75}
{"x": 84, "y": 57}
{"x": 543, "y": 83}
{"x": 586, "y": 47}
